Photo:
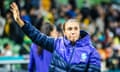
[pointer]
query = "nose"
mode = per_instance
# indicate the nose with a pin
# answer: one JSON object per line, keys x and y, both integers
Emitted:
{"x": 73, "y": 33}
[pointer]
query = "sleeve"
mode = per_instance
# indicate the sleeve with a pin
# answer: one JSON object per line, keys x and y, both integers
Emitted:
{"x": 31, "y": 65}
{"x": 38, "y": 37}
{"x": 94, "y": 62}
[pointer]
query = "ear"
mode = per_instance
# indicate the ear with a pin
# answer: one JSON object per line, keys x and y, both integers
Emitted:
{"x": 64, "y": 33}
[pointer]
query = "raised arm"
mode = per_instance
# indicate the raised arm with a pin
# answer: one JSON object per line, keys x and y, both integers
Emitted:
{"x": 36, "y": 36}
{"x": 16, "y": 14}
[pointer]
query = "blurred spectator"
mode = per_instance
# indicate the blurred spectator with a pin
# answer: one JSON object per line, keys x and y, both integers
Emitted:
{"x": 92, "y": 28}
{"x": 94, "y": 12}
{"x": 35, "y": 3}
{"x": 27, "y": 5}
{"x": 116, "y": 42}
{"x": 2, "y": 12}
{"x": 25, "y": 50}
{"x": 73, "y": 4}
{"x": 69, "y": 12}
{"x": 103, "y": 56}
{"x": 108, "y": 38}
{"x": 50, "y": 17}
{"x": 78, "y": 15}
{"x": 7, "y": 50}
{"x": 100, "y": 20}
{"x": 24, "y": 15}
{"x": 20, "y": 3}
{"x": 2, "y": 24}
{"x": 7, "y": 24}
{"x": 12, "y": 30}
{"x": 40, "y": 58}
{"x": 117, "y": 30}
{"x": 113, "y": 59}
{"x": 5, "y": 6}
{"x": 45, "y": 4}
{"x": 32, "y": 15}
{"x": 39, "y": 21}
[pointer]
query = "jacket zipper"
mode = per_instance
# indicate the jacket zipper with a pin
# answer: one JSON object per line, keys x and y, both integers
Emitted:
{"x": 71, "y": 55}
{"x": 70, "y": 59}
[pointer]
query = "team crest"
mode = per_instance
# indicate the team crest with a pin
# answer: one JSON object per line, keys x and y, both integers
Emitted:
{"x": 83, "y": 56}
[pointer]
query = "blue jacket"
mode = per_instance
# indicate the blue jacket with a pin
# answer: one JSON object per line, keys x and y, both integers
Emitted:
{"x": 41, "y": 61}
{"x": 80, "y": 57}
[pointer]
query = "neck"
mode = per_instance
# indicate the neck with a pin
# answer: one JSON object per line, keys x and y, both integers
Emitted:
{"x": 72, "y": 43}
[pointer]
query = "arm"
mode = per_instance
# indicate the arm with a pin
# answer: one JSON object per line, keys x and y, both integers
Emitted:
{"x": 31, "y": 65}
{"x": 38, "y": 37}
{"x": 94, "y": 62}
{"x": 32, "y": 32}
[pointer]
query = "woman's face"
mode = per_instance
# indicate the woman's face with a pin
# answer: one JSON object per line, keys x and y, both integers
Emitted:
{"x": 72, "y": 31}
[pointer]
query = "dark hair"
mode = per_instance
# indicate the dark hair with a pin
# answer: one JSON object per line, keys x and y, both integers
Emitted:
{"x": 46, "y": 29}
{"x": 39, "y": 23}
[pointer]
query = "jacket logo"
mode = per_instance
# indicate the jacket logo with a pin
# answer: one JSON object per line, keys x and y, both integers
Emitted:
{"x": 83, "y": 57}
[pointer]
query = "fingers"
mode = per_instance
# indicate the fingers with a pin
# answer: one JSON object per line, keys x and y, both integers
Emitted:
{"x": 14, "y": 6}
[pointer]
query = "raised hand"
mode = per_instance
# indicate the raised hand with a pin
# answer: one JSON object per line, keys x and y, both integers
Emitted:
{"x": 16, "y": 14}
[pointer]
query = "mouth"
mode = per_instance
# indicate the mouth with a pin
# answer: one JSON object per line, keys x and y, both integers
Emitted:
{"x": 73, "y": 36}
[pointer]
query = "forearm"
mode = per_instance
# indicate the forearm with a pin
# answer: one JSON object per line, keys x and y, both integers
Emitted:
{"x": 38, "y": 37}
{"x": 20, "y": 22}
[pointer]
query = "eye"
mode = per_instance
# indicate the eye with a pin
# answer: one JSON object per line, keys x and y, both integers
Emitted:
{"x": 70, "y": 28}
{"x": 76, "y": 28}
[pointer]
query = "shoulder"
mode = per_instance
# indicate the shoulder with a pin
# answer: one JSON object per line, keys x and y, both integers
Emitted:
{"x": 58, "y": 39}
{"x": 94, "y": 51}
{"x": 92, "y": 48}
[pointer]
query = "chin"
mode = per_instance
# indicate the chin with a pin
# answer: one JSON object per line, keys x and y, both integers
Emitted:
{"x": 73, "y": 40}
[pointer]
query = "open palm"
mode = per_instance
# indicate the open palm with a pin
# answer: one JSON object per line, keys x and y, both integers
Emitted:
{"x": 14, "y": 9}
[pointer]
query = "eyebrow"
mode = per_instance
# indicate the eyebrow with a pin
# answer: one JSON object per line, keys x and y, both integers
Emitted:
{"x": 72, "y": 28}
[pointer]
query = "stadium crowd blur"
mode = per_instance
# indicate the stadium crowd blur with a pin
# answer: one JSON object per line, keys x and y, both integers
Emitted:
{"x": 100, "y": 18}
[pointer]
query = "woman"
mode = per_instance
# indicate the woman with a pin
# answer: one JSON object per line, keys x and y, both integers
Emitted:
{"x": 39, "y": 58}
{"x": 72, "y": 52}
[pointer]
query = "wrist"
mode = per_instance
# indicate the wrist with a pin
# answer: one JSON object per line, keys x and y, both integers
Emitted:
{"x": 20, "y": 22}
